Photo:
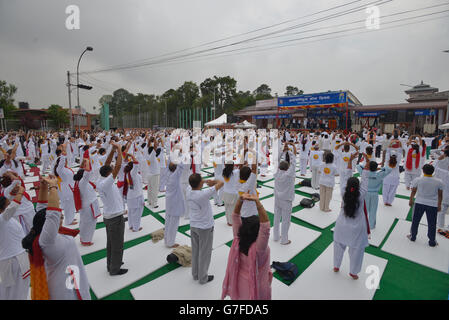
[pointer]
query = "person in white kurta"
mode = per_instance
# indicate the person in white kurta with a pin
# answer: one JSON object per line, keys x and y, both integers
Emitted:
{"x": 304, "y": 151}
{"x": 352, "y": 231}
{"x": 134, "y": 197}
{"x": 230, "y": 194}
{"x": 90, "y": 209}
{"x": 284, "y": 194}
{"x": 14, "y": 263}
{"x": 154, "y": 173}
{"x": 65, "y": 175}
{"x": 174, "y": 202}
{"x": 316, "y": 159}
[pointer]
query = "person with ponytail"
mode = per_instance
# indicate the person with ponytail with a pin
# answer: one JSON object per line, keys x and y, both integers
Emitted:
{"x": 14, "y": 263}
{"x": 316, "y": 159}
{"x": 230, "y": 195}
{"x": 391, "y": 181}
{"x": 248, "y": 273}
{"x": 413, "y": 154}
{"x": 65, "y": 176}
{"x": 352, "y": 227}
{"x": 86, "y": 202}
{"x": 375, "y": 182}
{"x": 53, "y": 252}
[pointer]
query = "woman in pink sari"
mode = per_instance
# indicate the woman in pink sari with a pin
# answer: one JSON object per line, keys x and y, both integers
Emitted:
{"x": 248, "y": 274}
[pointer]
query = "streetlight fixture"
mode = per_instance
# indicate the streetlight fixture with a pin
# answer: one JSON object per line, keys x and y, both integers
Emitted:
{"x": 78, "y": 82}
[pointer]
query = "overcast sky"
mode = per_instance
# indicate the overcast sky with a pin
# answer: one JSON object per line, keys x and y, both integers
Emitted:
{"x": 36, "y": 49}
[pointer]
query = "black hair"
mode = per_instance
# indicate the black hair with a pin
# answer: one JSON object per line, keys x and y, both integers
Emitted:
{"x": 56, "y": 166}
{"x": 346, "y": 147}
{"x": 38, "y": 224}
{"x": 393, "y": 161}
{"x": 428, "y": 169}
{"x": 128, "y": 167}
{"x": 369, "y": 150}
{"x": 195, "y": 180}
{"x": 102, "y": 151}
{"x": 79, "y": 175}
{"x": 351, "y": 197}
{"x": 329, "y": 157}
{"x": 245, "y": 172}
{"x": 228, "y": 170}
{"x": 105, "y": 170}
{"x": 248, "y": 232}
{"x": 2, "y": 203}
{"x": 283, "y": 165}
{"x": 373, "y": 166}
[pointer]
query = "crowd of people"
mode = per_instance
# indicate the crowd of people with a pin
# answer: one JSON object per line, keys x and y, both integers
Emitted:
{"x": 37, "y": 239}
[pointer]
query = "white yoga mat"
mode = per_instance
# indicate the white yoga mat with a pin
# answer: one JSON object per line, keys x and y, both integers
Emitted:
{"x": 222, "y": 232}
{"x": 182, "y": 220}
{"x": 399, "y": 209}
{"x": 264, "y": 192}
{"x": 307, "y": 176}
{"x": 148, "y": 224}
{"x": 28, "y": 186}
{"x": 300, "y": 237}
{"x": 402, "y": 190}
{"x": 269, "y": 184}
{"x": 161, "y": 205}
{"x": 266, "y": 178}
{"x": 320, "y": 282}
{"x": 179, "y": 284}
{"x": 336, "y": 195}
{"x": 419, "y": 251}
{"x": 268, "y": 203}
{"x": 318, "y": 218}
{"x": 140, "y": 261}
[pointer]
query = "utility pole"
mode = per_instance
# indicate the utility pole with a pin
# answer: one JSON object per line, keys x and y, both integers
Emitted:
{"x": 70, "y": 102}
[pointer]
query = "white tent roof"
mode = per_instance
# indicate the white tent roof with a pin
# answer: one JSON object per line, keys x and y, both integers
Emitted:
{"x": 444, "y": 126}
{"x": 223, "y": 119}
{"x": 245, "y": 124}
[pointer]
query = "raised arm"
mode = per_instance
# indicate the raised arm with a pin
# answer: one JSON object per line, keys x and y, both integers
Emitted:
{"x": 118, "y": 165}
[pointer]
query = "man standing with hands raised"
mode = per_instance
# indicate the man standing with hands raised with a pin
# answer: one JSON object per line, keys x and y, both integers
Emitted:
{"x": 112, "y": 211}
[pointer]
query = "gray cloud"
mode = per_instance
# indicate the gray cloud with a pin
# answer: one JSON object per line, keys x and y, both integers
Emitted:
{"x": 36, "y": 49}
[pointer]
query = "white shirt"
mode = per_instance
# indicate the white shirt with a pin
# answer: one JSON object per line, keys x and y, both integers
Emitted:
{"x": 327, "y": 176}
{"x": 427, "y": 190}
{"x": 11, "y": 233}
{"x": 249, "y": 208}
{"x": 201, "y": 216}
{"x": 284, "y": 182}
{"x": 230, "y": 186}
{"x": 110, "y": 196}
{"x": 316, "y": 158}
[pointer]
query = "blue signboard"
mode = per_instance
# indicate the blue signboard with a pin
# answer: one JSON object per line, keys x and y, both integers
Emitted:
{"x": 273, "y": 116}
{"x": 425, "y": 112}
{"x": 365, "y": 114}
{"x": 316, "y": 99}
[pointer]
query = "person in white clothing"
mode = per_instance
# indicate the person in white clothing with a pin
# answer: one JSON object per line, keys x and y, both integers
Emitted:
{"x": 304, "y": 150}
{"x": 327, "y": 172}
{"x": 154, "y": 172}
{"x": 174, "y": 203}
{"x": 14, "y": 263}
{"x": 134, "y": 197}
{"x": 284, "y": 194}
{"x": 230, "y": 195}
{"x": 65, "y": 176}
{"x": 316, "y": 159}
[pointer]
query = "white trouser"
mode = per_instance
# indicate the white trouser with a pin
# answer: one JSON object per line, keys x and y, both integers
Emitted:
{"x": 282, "y": 211}
{"x": 135, "y": 210}
{"x": 389, "y": 191}
{"x": 229, "y": 199}
{"x": 441, "y": 216}
{"x": 303, "y": 166}
{"x": 68, "y": 205}
{"x": 355, "y": 257}
{"x": 88, "y": 221}
{"x": 16, "y": 287}
{"x": 171, "y": 228}
{"x": 315, "y": 178}
{"x": 153, "y": 189}
{"x": 218, "y": 197}
{"x": 409, "y": 177}
{"x": 45, "y": 163}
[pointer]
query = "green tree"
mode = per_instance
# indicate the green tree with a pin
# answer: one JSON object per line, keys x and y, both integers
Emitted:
{"x": 7, "y": 92}
{"x": 59, "y": 115}
{"x": 293, "y": 91}
{"x": 262, "y": 92}
{"x": 188, "y": 93}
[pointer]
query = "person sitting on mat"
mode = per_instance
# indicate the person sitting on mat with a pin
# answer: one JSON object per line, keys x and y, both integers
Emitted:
{"x": 429, "y": 195}
{"x": 248, "y": 273}
{"x": 352, "y": 227}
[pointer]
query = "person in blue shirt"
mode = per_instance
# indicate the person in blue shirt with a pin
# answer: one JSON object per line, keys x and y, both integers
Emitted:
{"x": 375, "y": 181}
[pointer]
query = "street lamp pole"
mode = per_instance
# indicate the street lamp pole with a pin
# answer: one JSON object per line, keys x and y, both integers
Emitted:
{"x": 70, "y": 102}
{"x": 78, "y": 82}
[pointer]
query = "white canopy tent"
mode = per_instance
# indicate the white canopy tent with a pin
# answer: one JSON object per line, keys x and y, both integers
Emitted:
{"x": 444, "y": 126}
{"x": 245, "y": 125}
{"x": 223, "y": 119}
